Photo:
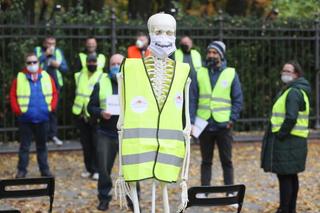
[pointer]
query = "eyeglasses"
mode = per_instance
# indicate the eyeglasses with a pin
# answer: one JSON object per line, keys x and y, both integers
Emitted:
{"x": 31, "y": 62}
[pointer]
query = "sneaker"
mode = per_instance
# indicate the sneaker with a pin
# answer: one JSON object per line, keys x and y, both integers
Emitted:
{"x": 95, "y": 176}
{"x": 21, "y": 174}
{"x": 57, "y": 141}
{"x": 233, "y": 205}
{"x": 103, "y": 205}
{"x": 201, "y": 195}
{"x": 85, "y": 174}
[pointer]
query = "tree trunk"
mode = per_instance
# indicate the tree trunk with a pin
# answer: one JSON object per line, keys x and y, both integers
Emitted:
{"x": 29, "y": 11}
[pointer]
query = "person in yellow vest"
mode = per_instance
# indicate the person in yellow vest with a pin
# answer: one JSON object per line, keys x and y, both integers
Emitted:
{"x": 33, "y": 96}
{"x": 52, "y": 60}
{"x": 107, "y": 143}
{"x": 85, "y": 81}
{"x": 91, "y": 48}
{"x": 284, "y": 147}
{"x": 216, "y": 97}
{"x": 154, "y": 143}
{"x": 187, "y": 54}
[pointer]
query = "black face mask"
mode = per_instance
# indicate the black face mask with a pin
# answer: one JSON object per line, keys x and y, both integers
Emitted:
{"x": 184, "y": 48}
{"x": 212, "y": 62}
{"x": 92, "y": 68}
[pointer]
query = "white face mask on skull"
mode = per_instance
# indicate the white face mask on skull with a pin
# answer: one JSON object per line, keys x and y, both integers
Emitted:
{"x": 162, "y": 29}
{"x": 162, "y": 45}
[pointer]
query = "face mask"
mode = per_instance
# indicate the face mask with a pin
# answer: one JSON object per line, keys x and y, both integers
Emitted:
{"x": 92, "y": 68}
{"x": 212, "y": 62}
{"x": 139, "y": 44}
{"x": 33, "y": 68}
{"x": 162, "y": 45}
{"x": 286, "y": 78}
{"x": 114, "y": 70}
{"x": 184, "y": 48}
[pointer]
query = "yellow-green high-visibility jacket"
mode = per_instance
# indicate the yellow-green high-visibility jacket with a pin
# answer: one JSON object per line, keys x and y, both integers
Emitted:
{"x": 101, "y": 60}
{"x": 153, "y": 144}
{"x": 216, "y": 101}
{"x": 24, "y": 91}
{"x": 58, "y": 58}
{"x": 84, "y": 88}
{"x": 105, "y": 91}
{"x": 279, "y": 111}
{"x": 195, "y": 56}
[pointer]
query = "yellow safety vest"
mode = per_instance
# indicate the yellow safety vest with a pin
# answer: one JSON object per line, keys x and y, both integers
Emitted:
{"x": 279, "y": 111}
{"x": 84, "y": 88}
{"x": 105, "y": 91}
{"x": 58, "y": 56}
{"x": 24, "y": 91}
{"x": 216, "y": 101}
{"x": 195, "y": 56}
{"x": 153, "y": 144}
{"x": 101, "y": 60}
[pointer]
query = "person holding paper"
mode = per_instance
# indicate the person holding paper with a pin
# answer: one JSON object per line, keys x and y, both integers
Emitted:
{"x": 106, "y": 113}
{"x": 215, "y": 97}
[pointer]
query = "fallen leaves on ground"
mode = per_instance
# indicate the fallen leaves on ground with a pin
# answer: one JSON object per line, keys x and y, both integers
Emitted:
{"x": 76, "y": 194}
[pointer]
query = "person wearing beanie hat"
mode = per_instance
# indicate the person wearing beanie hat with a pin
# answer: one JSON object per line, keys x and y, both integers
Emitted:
{"x": 216, "y": 97}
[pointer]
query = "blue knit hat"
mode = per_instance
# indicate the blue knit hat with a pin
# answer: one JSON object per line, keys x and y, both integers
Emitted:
{"x": 219, "y": 46}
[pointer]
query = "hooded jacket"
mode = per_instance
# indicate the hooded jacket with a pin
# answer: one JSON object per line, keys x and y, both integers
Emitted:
{"x": 283, "y": 153}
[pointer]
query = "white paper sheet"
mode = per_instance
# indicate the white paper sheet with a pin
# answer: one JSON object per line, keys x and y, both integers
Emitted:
{"x": 199, "y": 126}
{"x": 113, "y": 105}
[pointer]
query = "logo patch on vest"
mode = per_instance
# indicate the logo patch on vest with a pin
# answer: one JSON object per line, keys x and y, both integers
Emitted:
{"x": 224, "y": 84}
{"x": 139, "y": 104}
{"x": 179, "y": 100}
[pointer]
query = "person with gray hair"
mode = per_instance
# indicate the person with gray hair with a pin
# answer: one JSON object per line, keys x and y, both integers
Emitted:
{"x": 107, "y": 133}
{"x": 216, "y": 97}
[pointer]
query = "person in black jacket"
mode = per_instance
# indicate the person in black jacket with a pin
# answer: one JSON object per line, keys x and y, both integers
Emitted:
{"x": 284, "y": 147}
{"x": 107, "y": 144}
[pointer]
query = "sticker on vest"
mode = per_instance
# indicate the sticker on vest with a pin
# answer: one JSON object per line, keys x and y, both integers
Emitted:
{"x": 139, "y": 104}
{"x": 179, "y": 100}
{"x": 224, "y": 84}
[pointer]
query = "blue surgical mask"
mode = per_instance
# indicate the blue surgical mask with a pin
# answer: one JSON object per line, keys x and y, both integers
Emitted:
{"x": 114, "y": 70}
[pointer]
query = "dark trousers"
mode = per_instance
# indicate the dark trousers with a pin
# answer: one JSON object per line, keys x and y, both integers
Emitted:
{"x": 40, "y": 131}
{"x": 107, "y": 149}
{"x": 88, "y": 139}
{"x": 223, "y": 139}
{"x": 53, "y": 125}
{"x": 288, "y": 187}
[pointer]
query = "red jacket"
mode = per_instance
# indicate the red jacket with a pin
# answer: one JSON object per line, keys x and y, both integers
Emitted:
{"x": 135, "y": 52}
{"x": 13, "y": 94}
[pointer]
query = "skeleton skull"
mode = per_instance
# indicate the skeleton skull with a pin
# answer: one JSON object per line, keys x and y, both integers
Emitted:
{"x": 162, "y": 31}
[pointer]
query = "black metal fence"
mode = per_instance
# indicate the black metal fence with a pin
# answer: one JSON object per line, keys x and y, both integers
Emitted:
{"x": 257, "y": 52}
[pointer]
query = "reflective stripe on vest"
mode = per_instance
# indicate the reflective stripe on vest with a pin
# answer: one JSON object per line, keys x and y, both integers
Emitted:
{"x": 195, "y": 56}
{"x": 216, "y": 102}
{"x": 279, "y": 111}
{"x": 59, "y": 58}
{"x": 101, "y": 61}
{"x": 152, "y": 145}
{"x": 24, "y": 91}
{"x": 84, "y": 88}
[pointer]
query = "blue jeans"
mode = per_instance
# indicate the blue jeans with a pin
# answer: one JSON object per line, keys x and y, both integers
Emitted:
{"x": 40, "y": 131}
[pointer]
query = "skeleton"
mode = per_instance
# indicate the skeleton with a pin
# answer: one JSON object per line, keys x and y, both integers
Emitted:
{"x": 160, "y": 70}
